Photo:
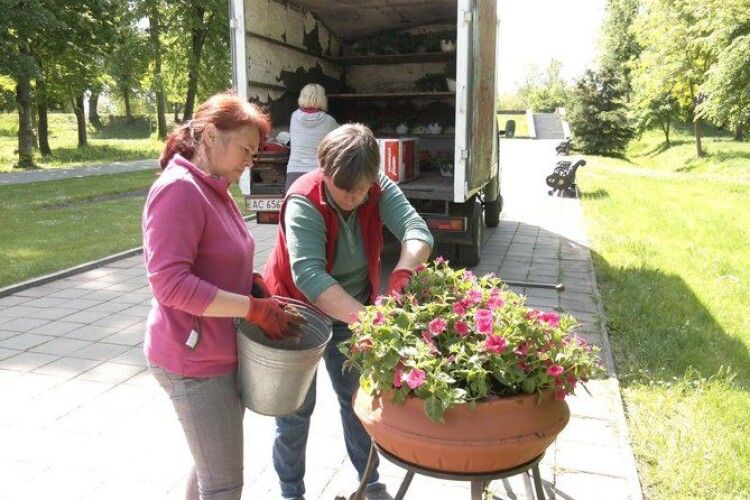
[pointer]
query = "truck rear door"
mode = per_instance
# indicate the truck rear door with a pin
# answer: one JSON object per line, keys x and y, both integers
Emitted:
{"x": 475, "y": 96}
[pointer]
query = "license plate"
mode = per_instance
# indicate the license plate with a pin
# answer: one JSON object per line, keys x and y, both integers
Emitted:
{"x": 264, "y": 204}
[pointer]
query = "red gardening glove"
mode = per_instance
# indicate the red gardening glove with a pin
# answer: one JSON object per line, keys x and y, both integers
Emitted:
{"x": 259, "y": 289}
{"x": 270, "y": 316}
{"x": 398, "y": 280}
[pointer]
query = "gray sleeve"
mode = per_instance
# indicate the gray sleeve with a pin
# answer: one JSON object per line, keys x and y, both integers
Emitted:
{"x": 399, "y": 216}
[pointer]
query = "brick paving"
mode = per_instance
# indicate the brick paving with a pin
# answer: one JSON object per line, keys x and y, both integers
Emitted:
{"x": 81, "y": 418}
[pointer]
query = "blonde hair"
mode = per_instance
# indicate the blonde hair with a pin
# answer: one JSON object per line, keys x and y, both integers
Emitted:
{"x": 313, "y": 95}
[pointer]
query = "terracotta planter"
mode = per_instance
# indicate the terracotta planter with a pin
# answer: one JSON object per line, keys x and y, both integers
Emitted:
{"x": 498, "y": 435}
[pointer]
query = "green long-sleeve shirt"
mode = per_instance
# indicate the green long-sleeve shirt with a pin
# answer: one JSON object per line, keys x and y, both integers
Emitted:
{"x": 306, "y": 241}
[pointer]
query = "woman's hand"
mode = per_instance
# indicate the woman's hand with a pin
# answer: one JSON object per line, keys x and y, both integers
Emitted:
{"x": 271, "y": 317}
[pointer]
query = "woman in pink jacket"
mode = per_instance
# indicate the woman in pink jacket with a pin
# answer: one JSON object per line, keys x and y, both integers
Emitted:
{"x": 199, "y": 260}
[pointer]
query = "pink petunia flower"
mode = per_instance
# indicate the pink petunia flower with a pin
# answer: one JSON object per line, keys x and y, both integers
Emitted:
{"x": 560, "y": 393}
{"x": 415, "y": 378}
{"x": 524, "y": 366}
{"x": 379, "y": 318}
{"x": 398, "y": 375}
{"x": 484, "y": 320}
{"x": 551, "y": 318}
{"x": 437, "y": 326}
{"x": 379, "y": 300}
{"x": 532, "y": 313}
{"x": 495, "y": 302}
{"x": 468, "y": 275}
{"x": 420, "y": 268}
{"x": 474, "y": 296}
{"x": 427, "y": 337}
{"x": 495, "y": 343}
{"x": 572, "y": 380}
{"x": 439, "y": 260}
{"x": 452, "y": 358}
{"x": 555, "y": 370}
{"x": 461, "y": 328}
{"x": 459, "y": 308}
{"x": 522, "y": 349}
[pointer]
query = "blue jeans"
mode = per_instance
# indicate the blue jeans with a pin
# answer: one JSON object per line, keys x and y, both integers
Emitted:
{"x": 292, "y": 431}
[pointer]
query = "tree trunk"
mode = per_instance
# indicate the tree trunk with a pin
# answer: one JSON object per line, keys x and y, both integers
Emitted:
{"x": 126, "y": 98}
{"x": 698, "y": 144}
{"x": 177, "y": 108}
{"x": 41, "y": 107}
{"x": 739, "y": 133}
{"x": 198, "y": 38}
{"x": 154, "y": 28}
{"x": 80, "y": 120}
{"x": 94, "y": 110}
{"x": 25, "y": 131}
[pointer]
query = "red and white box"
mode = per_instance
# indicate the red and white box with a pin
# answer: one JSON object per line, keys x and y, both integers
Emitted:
{"x": 398, "y": 158}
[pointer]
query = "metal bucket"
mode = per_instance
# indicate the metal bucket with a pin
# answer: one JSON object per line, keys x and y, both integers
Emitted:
{"x": 275, "y": 375}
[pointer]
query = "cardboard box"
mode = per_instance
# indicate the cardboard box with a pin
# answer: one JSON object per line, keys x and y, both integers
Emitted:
{"x": 398, "y": 158}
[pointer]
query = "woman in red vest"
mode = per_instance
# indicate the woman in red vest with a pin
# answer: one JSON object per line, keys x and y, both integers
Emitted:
{"x": 327, "y": 254}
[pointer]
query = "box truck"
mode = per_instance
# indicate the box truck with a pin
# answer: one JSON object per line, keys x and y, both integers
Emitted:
{"x": 418, "y": 70}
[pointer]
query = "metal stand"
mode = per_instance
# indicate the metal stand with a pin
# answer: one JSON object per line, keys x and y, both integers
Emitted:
{"x": 478, "y": 481}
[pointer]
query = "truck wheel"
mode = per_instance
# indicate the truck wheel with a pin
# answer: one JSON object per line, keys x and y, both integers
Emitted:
{"x": 469, "y": 255}
{"x": 494, "y": 202}
{"x": 492, "y": 212}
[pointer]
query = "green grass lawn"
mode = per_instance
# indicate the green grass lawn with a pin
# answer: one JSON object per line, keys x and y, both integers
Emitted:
{"x": 522, "y": 125}
{"x": 670, "y": 243}
{"x": 116, "y": 140}
{"x": 49, "y": 226}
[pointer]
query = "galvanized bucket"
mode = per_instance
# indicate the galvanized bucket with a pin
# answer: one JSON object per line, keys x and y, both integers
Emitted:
{"x": 275, "y": 375}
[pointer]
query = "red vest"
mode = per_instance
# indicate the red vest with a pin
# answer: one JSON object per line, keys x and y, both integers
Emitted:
{"x": 278, "y": 272}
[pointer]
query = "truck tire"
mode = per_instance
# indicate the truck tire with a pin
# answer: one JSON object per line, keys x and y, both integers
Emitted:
{"x": 493, "y": 204}
{"x": 492, "y": 212}
{"x": 470, "y": 254}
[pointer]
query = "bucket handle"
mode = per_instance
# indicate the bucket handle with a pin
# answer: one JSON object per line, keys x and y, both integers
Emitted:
{"x": 297, "y": 302}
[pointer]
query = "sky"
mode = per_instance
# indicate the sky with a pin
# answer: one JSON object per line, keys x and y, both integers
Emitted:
{"x": 537, "y": 31}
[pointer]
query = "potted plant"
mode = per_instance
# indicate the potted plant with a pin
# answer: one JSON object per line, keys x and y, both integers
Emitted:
{"x": 450, "y": 75}
{"x": 459, "y": 375}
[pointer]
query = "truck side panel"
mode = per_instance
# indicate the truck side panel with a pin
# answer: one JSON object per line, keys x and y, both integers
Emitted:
{"x": 480, "y": 168}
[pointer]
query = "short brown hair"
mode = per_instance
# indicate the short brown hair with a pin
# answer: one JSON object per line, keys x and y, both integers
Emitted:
{"x": 349, "y": 155}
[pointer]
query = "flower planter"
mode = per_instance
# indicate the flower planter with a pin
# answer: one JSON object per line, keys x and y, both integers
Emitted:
{"x": 497, "y": 435}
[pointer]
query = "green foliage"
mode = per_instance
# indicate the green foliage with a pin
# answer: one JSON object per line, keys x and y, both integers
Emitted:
{"x": 431, "y": 82}
{"x": 544, "y": 92}
{"x": 453, "y": 338}
{"x": 669, "y": 238}
{"x": 728, "y": 85}
{"x": 620, "y": 47}
{"x": 597, "y": 114}
{"x": 117, "y": 140}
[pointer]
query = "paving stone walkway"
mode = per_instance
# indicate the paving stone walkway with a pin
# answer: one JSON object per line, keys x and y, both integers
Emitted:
{"x": 52, "y": 174}
{"x": 81, "y": 418}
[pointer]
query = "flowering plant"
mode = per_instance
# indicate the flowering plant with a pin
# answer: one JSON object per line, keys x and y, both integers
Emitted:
{"x": 454, "y": 338}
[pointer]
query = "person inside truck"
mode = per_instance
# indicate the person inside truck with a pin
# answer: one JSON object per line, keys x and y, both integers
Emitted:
{"x": 307, "y": 126}
{"x": 199, "y": 262}
{"x": 328, "y": 254}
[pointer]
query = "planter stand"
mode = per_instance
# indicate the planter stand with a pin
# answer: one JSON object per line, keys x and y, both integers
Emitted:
{"x": 478, "y": 481}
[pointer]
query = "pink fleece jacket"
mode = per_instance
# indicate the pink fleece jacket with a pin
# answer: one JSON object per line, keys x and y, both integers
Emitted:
{"x": 194, "y": 242}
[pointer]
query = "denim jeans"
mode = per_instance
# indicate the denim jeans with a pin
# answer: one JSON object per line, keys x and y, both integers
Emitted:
{"x": 291, "y": 431}
{"x": 210, "y": 412}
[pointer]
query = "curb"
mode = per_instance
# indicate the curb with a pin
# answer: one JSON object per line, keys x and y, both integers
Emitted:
{"x": 81, "y": 268}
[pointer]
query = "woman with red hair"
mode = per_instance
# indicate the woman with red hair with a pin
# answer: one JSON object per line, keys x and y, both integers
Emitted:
{"x": 199, "y": 261}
